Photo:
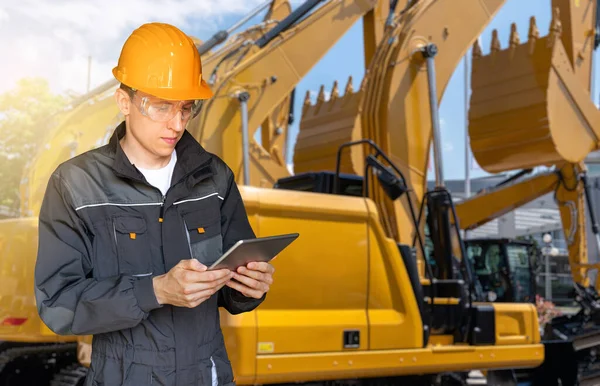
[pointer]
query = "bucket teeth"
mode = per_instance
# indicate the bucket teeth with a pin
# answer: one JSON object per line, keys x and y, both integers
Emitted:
{"x": 349, "y": 89}
{"x": 334, "y": 90}
{"x": 533, "y": 35}
{"x": 495, "y": 46}
{"x": 321, "y": 96}
{"x": 534, "y": 32}
{"x": 555, "y": 26}
{"x": 514, "y": 36}
{"x": 306, "y": 101}
{"x": 477, "y": 53}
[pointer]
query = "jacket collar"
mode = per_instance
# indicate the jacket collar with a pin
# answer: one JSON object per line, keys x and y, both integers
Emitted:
{"x": 191, "y": 157}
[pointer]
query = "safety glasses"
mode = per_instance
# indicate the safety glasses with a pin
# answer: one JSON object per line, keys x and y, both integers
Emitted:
{"x": 160, "y": 110}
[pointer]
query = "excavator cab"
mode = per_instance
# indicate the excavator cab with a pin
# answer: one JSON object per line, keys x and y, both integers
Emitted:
{"x": 504, "y": 268}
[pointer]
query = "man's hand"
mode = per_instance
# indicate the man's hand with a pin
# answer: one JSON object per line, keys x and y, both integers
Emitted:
{"x": 253, "y": 280}
{"x": 189, "y": 283}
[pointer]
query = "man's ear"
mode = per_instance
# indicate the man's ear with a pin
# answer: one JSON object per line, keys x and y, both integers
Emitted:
{"x": 123, "y": 101}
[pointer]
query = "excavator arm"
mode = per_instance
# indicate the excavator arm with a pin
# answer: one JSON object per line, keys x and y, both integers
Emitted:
{"x": 492, "y": 203}
{"x": 567, "y": 184}
{"x": 392, "y": 107}
{"x": 252, "y": 80}
{"x": 393, "y": 100}
{"x": 530, "y": 107}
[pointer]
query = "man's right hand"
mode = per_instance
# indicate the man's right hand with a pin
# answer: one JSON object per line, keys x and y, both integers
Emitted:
{"x": 189, "y": 283}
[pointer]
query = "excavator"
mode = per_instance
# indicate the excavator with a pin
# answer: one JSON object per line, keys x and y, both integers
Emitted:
{"x": 394, "y": 299}
{"x": 531, "y": 106}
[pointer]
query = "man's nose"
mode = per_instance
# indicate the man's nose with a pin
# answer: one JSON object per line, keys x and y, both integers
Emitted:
{"x": 176, "y": 123}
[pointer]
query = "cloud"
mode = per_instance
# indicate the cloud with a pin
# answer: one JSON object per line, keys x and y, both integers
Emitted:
{"x": 54, "y": 39}
{"x": 3, "y": 16}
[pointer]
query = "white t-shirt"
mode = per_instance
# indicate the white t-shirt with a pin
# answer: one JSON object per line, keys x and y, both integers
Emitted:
{"x": 161, "y": 178}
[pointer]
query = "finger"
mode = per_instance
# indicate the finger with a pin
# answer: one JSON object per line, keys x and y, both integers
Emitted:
{"x": 246, "y": 291}
{"x": 206, "y": 276}
{"x": 196, "y": 287}
{"x": 256, "y": 275}
{"x": 203, "y": 294}
{"x": 261, "y": 266}
{"x": 251, "y": 283}
{"x": 192, "y": 264}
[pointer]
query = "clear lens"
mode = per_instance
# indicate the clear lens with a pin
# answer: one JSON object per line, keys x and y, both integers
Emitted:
{"x": 163, "y": 111}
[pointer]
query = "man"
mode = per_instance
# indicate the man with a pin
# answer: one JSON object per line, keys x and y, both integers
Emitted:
{"x": 126, "y": 232}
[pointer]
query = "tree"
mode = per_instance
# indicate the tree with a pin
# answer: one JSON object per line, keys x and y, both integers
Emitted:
{"x": 26, "y": 114}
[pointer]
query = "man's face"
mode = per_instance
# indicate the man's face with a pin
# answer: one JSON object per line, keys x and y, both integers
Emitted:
{"x": 156, "y": 124}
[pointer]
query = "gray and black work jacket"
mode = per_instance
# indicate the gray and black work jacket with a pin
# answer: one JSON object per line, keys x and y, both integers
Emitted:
{"x": 104, "y": 233}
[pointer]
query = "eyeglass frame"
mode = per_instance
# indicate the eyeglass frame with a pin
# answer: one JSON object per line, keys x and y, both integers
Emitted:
{"x": 195, "y": 109}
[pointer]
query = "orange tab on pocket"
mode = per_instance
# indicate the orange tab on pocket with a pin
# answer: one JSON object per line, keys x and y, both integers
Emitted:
{"x": 200, "y": 230}
{"x": 132, "y": 236}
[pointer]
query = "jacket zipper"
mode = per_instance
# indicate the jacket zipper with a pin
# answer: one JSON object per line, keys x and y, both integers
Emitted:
{"x": 162, "y": 208}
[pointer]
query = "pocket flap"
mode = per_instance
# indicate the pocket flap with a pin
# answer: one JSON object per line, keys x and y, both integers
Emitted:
{"x": 130, "y": 224}
{"x": 202, "y": 218}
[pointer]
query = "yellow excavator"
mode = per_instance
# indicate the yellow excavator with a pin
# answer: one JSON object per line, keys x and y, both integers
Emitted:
{"x": 392, "y": 298}
{"x": 531, "y": 106}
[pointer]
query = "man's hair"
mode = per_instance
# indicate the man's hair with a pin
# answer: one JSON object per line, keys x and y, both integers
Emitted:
{"x": 127, "y": 89}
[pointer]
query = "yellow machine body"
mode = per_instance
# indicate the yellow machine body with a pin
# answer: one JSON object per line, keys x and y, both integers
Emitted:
{"x": 354, "y": 279}
{"x": 19, "y": 319}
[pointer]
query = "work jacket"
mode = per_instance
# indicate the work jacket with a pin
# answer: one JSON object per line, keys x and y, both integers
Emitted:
{"x": 104, "y": 233}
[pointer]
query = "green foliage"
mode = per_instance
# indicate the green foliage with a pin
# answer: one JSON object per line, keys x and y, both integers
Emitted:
{"x": 26, "y": 114}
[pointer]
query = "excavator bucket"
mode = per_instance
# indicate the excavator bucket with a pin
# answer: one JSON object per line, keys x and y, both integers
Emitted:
{"x": 513, "y": 119}
{"x": 325, "y": 126}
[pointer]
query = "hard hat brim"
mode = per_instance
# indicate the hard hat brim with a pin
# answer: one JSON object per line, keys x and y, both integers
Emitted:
{"x": 201, "y": 91}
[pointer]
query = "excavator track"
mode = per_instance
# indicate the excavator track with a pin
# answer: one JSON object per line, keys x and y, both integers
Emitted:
{"x": 571, "y": 345}
{"x": 73, "y": 375}
{"x": 16, "y": 362}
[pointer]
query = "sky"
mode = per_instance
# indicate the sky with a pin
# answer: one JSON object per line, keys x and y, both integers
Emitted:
{"x": 55, "y": 39}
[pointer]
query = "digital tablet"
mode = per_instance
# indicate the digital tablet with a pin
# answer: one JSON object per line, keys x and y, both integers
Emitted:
{"x": 258, "y": 249}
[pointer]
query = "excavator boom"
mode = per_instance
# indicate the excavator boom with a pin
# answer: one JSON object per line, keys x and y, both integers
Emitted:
{"x": 256, "y": 88}
{"x": 492, "y": 203}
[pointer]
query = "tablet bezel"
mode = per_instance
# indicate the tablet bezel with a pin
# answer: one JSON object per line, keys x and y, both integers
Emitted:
{"x": 290, "y": 237}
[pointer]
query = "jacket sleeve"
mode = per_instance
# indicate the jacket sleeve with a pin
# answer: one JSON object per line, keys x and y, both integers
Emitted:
{"x": 235, "y": 226}
{"x": 69, "y": 300}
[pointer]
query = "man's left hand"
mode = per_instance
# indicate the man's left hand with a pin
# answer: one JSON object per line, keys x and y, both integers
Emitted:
{"x": 253, "y": 280}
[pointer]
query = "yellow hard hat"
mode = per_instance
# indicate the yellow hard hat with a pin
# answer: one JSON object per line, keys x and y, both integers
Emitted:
{"x": 159, "y": 59}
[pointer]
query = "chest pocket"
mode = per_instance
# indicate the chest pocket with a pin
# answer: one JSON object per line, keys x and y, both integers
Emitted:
{"x": 203, "y": 231}
{"x": 133, "y": 245}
